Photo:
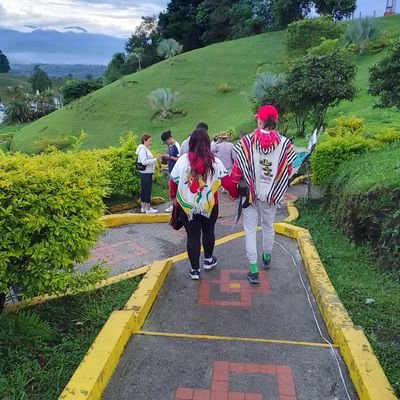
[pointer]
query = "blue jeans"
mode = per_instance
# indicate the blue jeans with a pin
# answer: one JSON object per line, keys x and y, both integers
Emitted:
{"x": 146, "y": 182}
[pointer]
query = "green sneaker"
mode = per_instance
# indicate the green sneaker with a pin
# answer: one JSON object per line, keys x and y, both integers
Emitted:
{"x": 266, "y": 258}
{"x": 253, "y": 278}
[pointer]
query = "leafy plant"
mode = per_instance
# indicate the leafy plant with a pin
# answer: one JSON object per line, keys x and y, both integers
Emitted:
{"x": 224, "y": 87}
{"x": 330, "y": 154}
{"x": 169, "y": 48}
{"x": 164, "y": 101}
{"x": 360, "y": 32}
{"x": 51, "y": 204}
{"x": 346, "y": 126}
{"x": 262, "y": 86}
{"x": 304, "y": 34}
{"x": 27, "y": 324}
{"x": 381, "y": 80}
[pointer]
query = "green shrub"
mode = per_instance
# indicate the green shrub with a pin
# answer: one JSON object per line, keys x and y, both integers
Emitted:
{"x": 60, "y": 142}
{"x": 224, "y": 87}
{"x": 364, "y": 198}
{"x": 387, "y": 136}
{"x": 346, "y": 126}
{"x": 122, "y": 176}
{"x": 306, "y": 33}
{"x": 329, "y": 154}
{"x": 50, "y": 205}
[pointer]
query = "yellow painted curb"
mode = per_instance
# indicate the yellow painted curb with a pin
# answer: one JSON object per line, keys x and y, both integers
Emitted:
{"x": 298, "y": 180}
{"x": 292, "y": 211}
{"x": 109, "y": 281}
{"x": 365, "y": 370}
{"x": 143, "y": 298}
{"x": 110, "y": 221}
{"x": 98, "y": 365}
{"x": 95, "y": 370}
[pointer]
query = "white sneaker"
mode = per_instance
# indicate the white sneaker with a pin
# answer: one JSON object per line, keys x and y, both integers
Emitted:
{"x": 151, "y": 211}
{"x": 169, "y": 209}
{"x": 142, "y": 210}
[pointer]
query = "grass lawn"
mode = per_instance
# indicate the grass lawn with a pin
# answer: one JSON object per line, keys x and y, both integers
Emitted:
{"x": 39, "y": 369}
{"x": 8, "y": 80}
{"x": 356, "y": 278}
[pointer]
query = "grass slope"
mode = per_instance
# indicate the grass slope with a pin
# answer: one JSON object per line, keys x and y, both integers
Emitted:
{"x": 123, "y": 105}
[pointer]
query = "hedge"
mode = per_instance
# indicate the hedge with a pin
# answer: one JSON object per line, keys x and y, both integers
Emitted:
{"x": 50, "y": 206}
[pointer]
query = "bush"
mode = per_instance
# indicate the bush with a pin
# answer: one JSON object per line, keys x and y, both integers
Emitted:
{"x": 329, "y": 154}
{"x": 364, "y": 198}
{"x": 306, "y": 33}
{"x": 387, "y": 136}
{"x": 74, "y": 89}
{"x": 50, "y": 206}
{"x": 224, "y": 87}
{"x": 346, "y": 126}
{"x": 122, "y": 176}
{"x": 59, "y": 142}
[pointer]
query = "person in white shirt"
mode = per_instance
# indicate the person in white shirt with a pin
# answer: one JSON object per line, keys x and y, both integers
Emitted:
{"x": 146, "y": 158}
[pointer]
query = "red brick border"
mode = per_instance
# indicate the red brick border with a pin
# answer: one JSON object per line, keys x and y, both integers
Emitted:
{"x": 220, "y": 382}
{"x": 226, "y": 284}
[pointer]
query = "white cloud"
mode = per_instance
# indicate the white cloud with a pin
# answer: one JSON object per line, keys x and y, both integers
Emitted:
{"x": 117, "y": 18}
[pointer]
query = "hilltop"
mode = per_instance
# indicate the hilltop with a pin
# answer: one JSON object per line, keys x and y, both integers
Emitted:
{"x": 122, "y": 106}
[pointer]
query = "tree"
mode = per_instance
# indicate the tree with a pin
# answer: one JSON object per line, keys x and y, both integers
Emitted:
{"x": 169, "y": 48}
{"x": 163, "y": 101}
{"x": 39, "y": 80}
{"x": 338, "y": 9}
{"x": 145, "y": 37}
{"x": 286, "y": 11}
{"x": 74, "y": 89}
{"x": 301, "y": 35}
{"x": 115, "y": 68}
{"x": 179, "y": 22}
{"x": 383, "y": 81}
{"x": 320, "y": 80}
{"x": 4, "y": 64}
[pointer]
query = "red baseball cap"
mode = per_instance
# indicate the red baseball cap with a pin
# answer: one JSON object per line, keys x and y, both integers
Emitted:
{"x": 267, "y": 111}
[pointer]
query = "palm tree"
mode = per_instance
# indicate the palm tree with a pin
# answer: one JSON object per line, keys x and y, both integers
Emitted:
{"x": 169, "y": 48}
{"x": 360, "y": 32}
{"x": 163, "y": 100}
{"x": 264, "y": 81}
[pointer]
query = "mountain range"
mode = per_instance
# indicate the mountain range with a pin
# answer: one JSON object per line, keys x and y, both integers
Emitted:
{"x": 54, "y": 47}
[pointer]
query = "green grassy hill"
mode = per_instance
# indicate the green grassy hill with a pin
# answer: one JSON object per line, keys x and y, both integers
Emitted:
{"x": 122, "y": 106}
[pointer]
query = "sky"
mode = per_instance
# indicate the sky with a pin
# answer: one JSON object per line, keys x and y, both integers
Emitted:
{"x": 111, "y": 17}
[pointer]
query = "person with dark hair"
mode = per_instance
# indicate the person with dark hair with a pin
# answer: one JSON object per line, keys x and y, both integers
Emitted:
{"x": 146, "y": 158}
{"x": 172, "y": 156}
{"x": 185, "y": 143}
{"x": 262, "y": 169}
{"x": 194, "y": 184}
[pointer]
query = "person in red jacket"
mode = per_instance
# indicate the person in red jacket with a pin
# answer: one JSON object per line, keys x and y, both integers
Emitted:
{"x": 194, "y": 184}
{"x": 262, "y": 169}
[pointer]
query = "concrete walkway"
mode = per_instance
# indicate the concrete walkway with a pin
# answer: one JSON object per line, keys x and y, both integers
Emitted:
{"x": 221, "y": 338}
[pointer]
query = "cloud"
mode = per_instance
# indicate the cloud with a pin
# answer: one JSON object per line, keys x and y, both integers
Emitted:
{"x": 112, "y": 17}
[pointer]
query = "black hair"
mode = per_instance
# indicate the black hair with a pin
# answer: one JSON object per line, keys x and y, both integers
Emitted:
{"x": 202, "y": 125}
{"x": 269, "y": 123}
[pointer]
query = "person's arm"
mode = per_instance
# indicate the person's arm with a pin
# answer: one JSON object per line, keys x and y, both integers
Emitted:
{"x": 144, "y": 159}
{"x": 290, "y": 156}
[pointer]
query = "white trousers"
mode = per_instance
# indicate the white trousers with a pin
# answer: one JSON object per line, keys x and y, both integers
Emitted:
{"x": 250, "y": 222}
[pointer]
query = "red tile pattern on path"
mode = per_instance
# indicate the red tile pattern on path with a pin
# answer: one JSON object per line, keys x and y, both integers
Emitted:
{"x": 220, "y": 382}
{"x": 227, "y": 284}
{"x": 114, "y": 253}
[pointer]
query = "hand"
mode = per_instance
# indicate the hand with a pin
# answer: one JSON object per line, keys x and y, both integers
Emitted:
{"x": 159, "y": 156}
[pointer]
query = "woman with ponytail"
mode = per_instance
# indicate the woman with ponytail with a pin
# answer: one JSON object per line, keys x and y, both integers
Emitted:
{"x": 194, "y": 184}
